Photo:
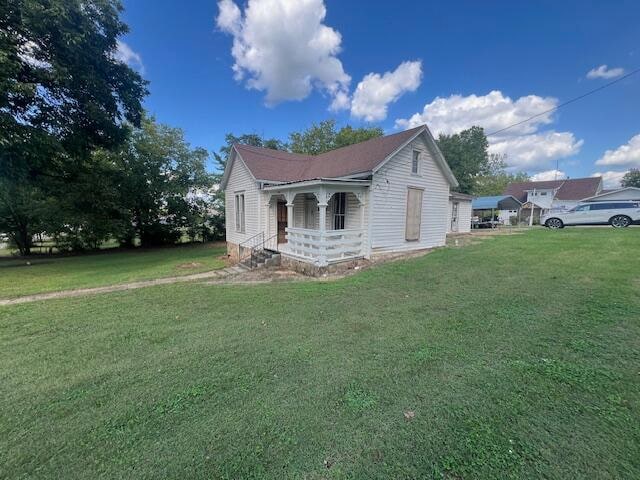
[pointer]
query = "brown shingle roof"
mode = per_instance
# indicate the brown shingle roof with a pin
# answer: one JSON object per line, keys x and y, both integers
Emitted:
{"x": 570, "y": 189}
{"x": 278, "y": 166}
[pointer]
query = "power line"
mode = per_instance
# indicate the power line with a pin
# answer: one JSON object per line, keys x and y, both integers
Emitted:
{"x": 602, "y": 87}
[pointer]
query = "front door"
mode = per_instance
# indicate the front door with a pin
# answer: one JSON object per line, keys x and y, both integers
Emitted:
{"x": 281, "y": 218}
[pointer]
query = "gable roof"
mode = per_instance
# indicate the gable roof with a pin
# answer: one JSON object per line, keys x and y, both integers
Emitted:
{"x": 609, "y": 191}
{"x": 569, "y": 189}
{"x": 360, "y": 158}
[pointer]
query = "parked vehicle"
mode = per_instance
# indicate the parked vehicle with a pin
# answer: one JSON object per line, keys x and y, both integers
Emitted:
{"x": 618, "y": 214}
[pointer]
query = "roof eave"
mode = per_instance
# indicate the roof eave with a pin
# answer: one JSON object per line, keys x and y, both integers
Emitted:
{"x": 318, "y": 181}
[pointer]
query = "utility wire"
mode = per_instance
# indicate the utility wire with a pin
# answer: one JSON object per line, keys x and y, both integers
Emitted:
{"x": 566, "y": 103}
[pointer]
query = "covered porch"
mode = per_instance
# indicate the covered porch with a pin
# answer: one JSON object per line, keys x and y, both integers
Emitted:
{"x": 319, "y": 222}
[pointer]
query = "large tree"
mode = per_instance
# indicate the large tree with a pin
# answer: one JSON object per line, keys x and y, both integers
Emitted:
{"x": 62, "y": 94}
{"x": 631, "y": 178}
{"x": 466, "y": 153}
{"x": 324, "y": 136}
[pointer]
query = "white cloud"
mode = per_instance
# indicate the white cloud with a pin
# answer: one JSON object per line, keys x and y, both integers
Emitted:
{"x": 549, "y": 175}
{"x": 375, "y": 92}
{"x": 535, "y": 151}
{"x": 625, "y": 155}
{"x": 283, "y": 48}
{"x": 603, "y": 71}
{"x": 230, "y": 18}
{"x": 341, "y": 101}
{"x": 524, "y": 145}
{"x": 493, "y": 111}
{"x": 610, "y": 179}
{"x": 125, "y": 54}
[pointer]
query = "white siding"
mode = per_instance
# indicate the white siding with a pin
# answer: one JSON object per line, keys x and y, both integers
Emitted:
{"x": 504, "y": 216}
{"x": 623, "y": 194}
{"x": 389, "y": 201}
{"x": 464, "y": 216}
{"x": 241, "y": 181}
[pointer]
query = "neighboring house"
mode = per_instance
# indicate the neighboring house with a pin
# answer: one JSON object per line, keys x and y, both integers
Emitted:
{"x": 502, "y": 207}
{"x": 459, "y": 213}
{"x": 626, "y": 193}
{"x": 387, "y": 194}
{"x": 554, "y": 194}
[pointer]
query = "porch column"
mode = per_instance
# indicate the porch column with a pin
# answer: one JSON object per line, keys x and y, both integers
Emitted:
{"x": 289, "y": 215}
{"x": 322, "y": 229}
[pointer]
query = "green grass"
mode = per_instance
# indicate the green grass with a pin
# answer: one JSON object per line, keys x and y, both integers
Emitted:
{"x": 519, "y": 357}
{"x": 46, "y": 274}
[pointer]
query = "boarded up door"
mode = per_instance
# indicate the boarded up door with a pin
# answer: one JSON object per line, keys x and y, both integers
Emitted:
{"x": 414, "y": 214}
{"x": 281, "y": 215}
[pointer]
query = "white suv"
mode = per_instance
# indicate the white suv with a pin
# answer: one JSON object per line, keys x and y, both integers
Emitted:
{"x": 619, "y": 214}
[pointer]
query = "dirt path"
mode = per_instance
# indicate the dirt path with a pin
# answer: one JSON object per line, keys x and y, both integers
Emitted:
{"x": 224, "y": 274}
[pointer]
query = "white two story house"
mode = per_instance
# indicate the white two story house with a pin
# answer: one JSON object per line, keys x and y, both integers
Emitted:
{"x": 387, "y": 194}
{"x": 550, "y": 195}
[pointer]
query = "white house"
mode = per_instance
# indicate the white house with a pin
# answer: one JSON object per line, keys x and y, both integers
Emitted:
{"x": 387, "y": 194}
{"x": 545, "y": 196}
{"x": 626, "y": 193}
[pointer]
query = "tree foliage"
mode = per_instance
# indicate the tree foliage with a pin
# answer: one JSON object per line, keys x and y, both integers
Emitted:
{"x": 62, "y": 95}
{"x": 631, "y": 178}
{"x": 324, "y": 136}
{"x": 495, "y": 179}
{"x": 159, "y": 179}
{"x": 466, "y": 153}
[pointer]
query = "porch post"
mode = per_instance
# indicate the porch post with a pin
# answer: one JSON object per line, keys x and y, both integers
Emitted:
{"x": 322, "y": 227}
{"x": 289, "y": 196}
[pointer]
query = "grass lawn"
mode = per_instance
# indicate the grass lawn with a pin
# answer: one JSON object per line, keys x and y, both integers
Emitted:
{"x": 518, "y": 357}
{"x": 47, "y": 274}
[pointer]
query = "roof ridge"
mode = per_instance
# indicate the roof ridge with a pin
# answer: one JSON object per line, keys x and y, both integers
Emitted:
{"x": 318, "y": 155}
{"x": 368, "y": 140}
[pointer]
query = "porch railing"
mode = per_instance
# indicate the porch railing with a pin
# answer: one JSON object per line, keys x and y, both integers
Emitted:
{"x": 322, "y": 248}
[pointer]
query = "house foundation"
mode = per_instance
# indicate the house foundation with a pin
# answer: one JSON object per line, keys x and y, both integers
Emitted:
{"x": 311, "y": 270}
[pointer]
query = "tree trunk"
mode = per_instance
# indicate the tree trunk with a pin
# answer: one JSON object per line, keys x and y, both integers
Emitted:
{"x": 23, "y": 240}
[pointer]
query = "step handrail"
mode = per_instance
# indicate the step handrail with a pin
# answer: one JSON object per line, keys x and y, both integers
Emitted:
{"x": 247, "y": 245}
{"x": 261, "y": 247}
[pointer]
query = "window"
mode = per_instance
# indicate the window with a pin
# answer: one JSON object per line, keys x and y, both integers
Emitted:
{"x": 543, "y": 193}
{"x": 414, "y": 214}
{"x": 240, "y": 212}
{"x": 582, "y": 208}
{"x": 415, "y": 163}
{"x": 611, "y": 206}
{"x": 339, "y": 209}
{"x": 603, "y": 206}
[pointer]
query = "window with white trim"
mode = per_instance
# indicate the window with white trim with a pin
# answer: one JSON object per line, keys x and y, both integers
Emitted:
{"x": 239, "y": 207}
{"x": 415, "y": 163}
{"x": 339, "y": 210}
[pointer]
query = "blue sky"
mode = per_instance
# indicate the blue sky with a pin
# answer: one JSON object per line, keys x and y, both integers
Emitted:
{"x": 449, "y": 64}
